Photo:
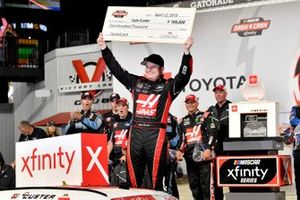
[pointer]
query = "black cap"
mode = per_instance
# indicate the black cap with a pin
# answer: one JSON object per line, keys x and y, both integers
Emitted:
{"x": 114, "y": 96}
{"x": 51, "y": 123}
{"x": 86, "y": 94}
{"x": 154, "y": 58}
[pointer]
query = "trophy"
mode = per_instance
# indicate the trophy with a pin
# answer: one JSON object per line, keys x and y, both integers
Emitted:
{"x": 254, "y": 117}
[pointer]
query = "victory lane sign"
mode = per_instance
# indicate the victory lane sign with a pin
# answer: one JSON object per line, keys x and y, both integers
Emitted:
{"x": 148, "y": 24}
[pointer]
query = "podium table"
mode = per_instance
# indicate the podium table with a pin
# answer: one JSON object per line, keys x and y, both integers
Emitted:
{"x": 253, "y": 170}
{"x": 78, "y": 159}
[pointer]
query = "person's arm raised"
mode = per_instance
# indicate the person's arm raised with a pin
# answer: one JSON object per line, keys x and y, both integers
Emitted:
{"x": 187, "y": 45}
{"x": 126, "y": 78}
{"x": 186, "y": 68}
{"x": 101, "y": 42}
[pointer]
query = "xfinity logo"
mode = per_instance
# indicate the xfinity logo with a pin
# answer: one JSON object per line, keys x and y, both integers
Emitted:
{"x": 252, "y": 171}
{"x": 238, "y": 173}
{"x": 57, "y": 160}
{"x": 95, "y": 161}
{"x": 47, "y": 161}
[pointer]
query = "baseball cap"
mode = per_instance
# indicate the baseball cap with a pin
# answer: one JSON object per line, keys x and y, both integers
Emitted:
{"x": 191, "y": 97}
{"x": 86, "y": 94}
{"x": 154, "y": 58}
{"x": 114, "y": 96}
{"x": 219, "y": 87}
{"x": 51, "y": 123}
{"x": 122, "y": 100}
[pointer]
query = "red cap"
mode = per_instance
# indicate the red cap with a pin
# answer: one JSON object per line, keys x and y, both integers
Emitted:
{"x": 219, "y": 87}
{"x": 191, "y": 97}
{"x": 122, "y": 100}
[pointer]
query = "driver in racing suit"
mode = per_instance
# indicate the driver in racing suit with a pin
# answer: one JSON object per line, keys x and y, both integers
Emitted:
{"x": 152, "y": 98}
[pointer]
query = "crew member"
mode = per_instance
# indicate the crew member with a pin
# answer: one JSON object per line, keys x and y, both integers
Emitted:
{"x": 7, "y": 175}
{"x": 173, "y": 137}
{"x": 197, "y": 129}
{"x": 109, "y": 117}
{"x": 220, "y": 112}
{"x": 86, "y": 120}
{"x": 117, "y": 144}
{"x": 30, "y": 132}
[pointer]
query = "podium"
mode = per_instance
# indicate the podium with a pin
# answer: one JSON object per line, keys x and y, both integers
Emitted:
{"x": 78, "y": 159}
{"x": 253, "y": 169}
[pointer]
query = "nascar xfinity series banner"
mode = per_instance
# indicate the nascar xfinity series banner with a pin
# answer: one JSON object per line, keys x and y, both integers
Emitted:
{"x": 229, "y": 46}
{"x": 254, "y": 171}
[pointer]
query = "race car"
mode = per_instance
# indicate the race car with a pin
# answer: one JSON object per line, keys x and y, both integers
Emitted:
{"x": 81, "y": 193}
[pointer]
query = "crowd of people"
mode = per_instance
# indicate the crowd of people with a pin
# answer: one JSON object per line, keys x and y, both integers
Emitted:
{"x": 182, "y": 137}
{"x": 145, "y": 145}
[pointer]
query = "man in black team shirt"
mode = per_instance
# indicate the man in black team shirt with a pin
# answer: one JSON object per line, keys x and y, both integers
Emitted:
{"x": 109, "y": 117}
{"x": 117, "y": 143}
{"x": 29, "y": 132}
{"x": 220, "y": 112}
{"x": 197, "y": 128}
{"x": 7, "y": 175}
{"x": 173, "y": 137}
{"x": 152, "y": 97}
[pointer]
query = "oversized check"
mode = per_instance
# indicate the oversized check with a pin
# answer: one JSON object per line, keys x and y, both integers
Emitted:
{"x": 148, "y": 24}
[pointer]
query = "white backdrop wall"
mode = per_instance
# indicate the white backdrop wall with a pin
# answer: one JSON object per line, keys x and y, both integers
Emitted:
{"x": 227, "y": 58}
{"x": 224, "y": 57}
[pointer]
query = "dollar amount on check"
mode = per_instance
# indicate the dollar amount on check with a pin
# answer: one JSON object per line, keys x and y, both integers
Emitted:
{"x": 148, "y": 24}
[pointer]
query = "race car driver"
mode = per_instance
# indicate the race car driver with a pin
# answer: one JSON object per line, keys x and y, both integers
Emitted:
{"x": 152, "y": 97}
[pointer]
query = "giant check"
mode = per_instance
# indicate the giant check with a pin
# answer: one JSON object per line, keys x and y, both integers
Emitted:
{"x": 148, "y": 24}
